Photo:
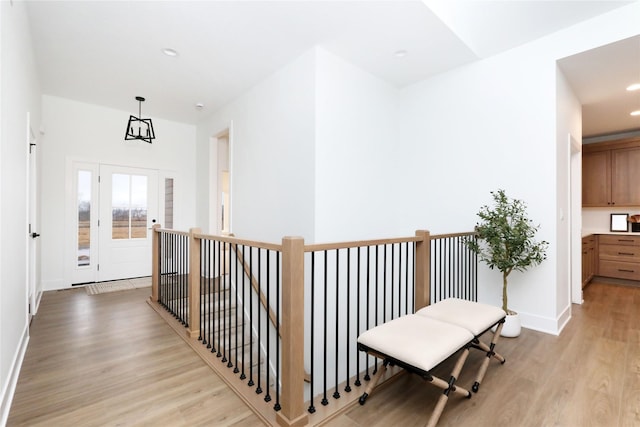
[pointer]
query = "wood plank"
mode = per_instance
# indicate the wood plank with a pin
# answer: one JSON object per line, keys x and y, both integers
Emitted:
{"x": 111, "y": 360}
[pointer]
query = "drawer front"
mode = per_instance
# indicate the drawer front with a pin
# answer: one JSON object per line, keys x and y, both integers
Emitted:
{"x": 620, "y": 253}
{"x": 620, "y": 270}
{"x": 588, "y": 242}
{"x": 608, "y": 239}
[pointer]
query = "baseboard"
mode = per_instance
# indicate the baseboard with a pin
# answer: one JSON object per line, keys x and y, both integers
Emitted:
{"x": 37, "y": 303}
{"x": 538, "y": 323}
{"x": 563, "y": 318}
{"x": 9, "y": 387}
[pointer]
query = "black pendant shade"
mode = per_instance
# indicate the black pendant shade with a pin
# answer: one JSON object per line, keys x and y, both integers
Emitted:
{"x": 139, "y": 128}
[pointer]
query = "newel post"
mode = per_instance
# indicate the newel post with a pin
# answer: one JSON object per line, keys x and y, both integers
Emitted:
{"x": 193, "y": 331}
{"x": 423, "y": 268}
{"x": 155, "y": 262}
{"x": 292, "y": 332}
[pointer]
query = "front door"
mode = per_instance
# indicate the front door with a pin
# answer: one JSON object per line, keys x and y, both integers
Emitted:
{"x": 128, "y": 209}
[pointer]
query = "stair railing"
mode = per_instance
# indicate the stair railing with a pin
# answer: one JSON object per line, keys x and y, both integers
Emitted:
{"x": 286, "y": 289}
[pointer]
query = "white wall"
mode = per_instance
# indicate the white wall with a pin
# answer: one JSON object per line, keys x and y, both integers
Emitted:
{"x": 76, "y": 131}
{"x": 356, "y": 154}
{"x": 497, "y": 123}
{"x": 272, "y": 156}
{"x": 492, "y": 124}
{"x": 19, "y": 90}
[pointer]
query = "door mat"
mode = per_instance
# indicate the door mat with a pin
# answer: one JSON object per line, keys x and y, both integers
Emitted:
{"x": 118, "y": 285}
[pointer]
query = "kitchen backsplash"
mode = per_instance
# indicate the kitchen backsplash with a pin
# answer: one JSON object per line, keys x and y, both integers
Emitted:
{"x": 598, "y": 219}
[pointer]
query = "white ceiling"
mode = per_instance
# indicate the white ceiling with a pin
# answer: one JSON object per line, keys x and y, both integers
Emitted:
{"x": 108, "y": 52}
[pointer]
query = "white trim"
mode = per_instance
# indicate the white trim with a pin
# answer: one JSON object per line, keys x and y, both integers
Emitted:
{"x": 538, "y": 323}
{"x": 36, "y": 302}
{"x": 9, "y": 388}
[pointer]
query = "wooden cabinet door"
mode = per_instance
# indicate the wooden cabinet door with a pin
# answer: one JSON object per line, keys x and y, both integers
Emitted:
{"x": 625, "y": 177}
{"x": 596, "y": 178}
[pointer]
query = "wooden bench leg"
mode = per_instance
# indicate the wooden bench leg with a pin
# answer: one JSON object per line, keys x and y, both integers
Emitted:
{"x": 448, "y": 388}
{"x": 490, "y": 354}
{"x": 373, "y": 382}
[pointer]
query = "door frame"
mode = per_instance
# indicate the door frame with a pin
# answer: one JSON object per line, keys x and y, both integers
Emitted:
{"x": 215, "y": 184}
{"x": 71, "y": 216}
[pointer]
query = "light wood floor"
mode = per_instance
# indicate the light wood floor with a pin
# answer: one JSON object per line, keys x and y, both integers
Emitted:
{"x": 110, "y": 360}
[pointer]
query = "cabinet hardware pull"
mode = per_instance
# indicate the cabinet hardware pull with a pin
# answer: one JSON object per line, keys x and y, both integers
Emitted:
{"x": 626, "y": 271}
{"x": 625, "y": 240}
{"x": 626, "y": 253}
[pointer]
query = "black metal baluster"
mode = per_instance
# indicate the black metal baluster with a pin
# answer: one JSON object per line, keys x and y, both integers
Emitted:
{"x": 442, "y": 267}
{"x": 229, "y": 305}
{"x": 168, "y": 274}
{"x": 222, "y": 329}
{"x": 377, "y": 277}
{"x": 347, "y": 387}
{"x": 235, "y": 250}
{"x": 218, "y": 297}
{"x": 384, "y": 285}
{"x": 182, "y": 286}
{"x": 312, "y": 408}
{"x": 211, "y": 288}
{"x": 336, "y": 393}
{"x": 215, "y": 298}
{"x": 406, "y": 277}
{"x": 243, "y": 375}
{"x": 250, "y": 383}
{"x": 451, "y": 267}
{"x": 393, "y": 260}
{"x": 226, "y": 309}
{"x": 267, "y": 397}
{"x": 368, "y": 264}
{"x": 324, "y": 400}
{"x": 357, "y": 382}
{"x": 204, "y": 291}
{"x": 277, "y": 406}
{"x": 258, "y": 387}
{"x": 174, "y": 285}
{"x": 161, "y": 269}
{"x": 413, "y": 276}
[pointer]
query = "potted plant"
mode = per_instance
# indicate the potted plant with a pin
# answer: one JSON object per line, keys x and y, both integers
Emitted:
{"x": 505, "y": 241}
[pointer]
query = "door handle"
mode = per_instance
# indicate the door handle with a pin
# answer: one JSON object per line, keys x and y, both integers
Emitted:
{"x": 34, "y": 235}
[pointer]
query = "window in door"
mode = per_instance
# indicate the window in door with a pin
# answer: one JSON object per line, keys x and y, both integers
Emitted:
{"x": 128, "y": 206}
{"x": 168, "y": 203}
{"x": 84, "y": 218}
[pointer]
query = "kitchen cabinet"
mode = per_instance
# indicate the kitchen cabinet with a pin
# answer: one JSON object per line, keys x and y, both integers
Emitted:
{"x": 610, "y": 173}
{"x": 589, "y": 259}
{"x": 619, "y": 256}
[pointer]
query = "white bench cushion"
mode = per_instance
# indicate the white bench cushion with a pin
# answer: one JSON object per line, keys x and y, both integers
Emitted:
{"x": 473, "y": 316}
{"x": 418, "y": 341}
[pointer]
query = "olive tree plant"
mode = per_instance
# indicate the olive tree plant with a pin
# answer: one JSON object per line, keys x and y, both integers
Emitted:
{"x": 505, "y": 239}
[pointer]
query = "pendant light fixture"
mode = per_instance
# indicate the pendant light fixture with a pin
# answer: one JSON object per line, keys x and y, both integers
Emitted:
{"x": 139, "y": 128}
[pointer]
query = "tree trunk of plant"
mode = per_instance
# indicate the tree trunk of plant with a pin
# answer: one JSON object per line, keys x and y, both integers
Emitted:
{"x": 504, "y": 291}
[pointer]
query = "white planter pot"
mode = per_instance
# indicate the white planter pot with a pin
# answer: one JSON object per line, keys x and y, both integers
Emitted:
{"x": 512, "y": 326}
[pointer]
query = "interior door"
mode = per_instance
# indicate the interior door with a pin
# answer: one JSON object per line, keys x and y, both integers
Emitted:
{"x": 128, "y": 209}
{"x": 33, "y": 225}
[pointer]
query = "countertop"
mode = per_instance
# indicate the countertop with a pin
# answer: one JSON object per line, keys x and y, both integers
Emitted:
{"x": 586, "y": 233}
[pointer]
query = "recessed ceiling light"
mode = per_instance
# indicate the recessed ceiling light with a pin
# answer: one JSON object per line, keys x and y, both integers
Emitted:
{"x": 400, "y": 53}
{"x": 170, "y": 52}
{"x": 635, "y": 86}
{"x": 635, "y": 113}
{"x": 199, "y": 106}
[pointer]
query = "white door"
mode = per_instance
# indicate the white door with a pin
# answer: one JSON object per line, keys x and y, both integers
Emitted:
{"x": 33, "y": 225}
{"x": 128, "y": 210}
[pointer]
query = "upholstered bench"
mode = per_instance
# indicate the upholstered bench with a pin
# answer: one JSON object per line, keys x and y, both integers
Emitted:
{"x": 421, "y": 341}
{"x": 475, "y": 317}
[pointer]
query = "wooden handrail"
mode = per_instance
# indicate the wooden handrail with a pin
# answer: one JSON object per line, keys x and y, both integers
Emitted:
{"x": 358, "y": 243}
